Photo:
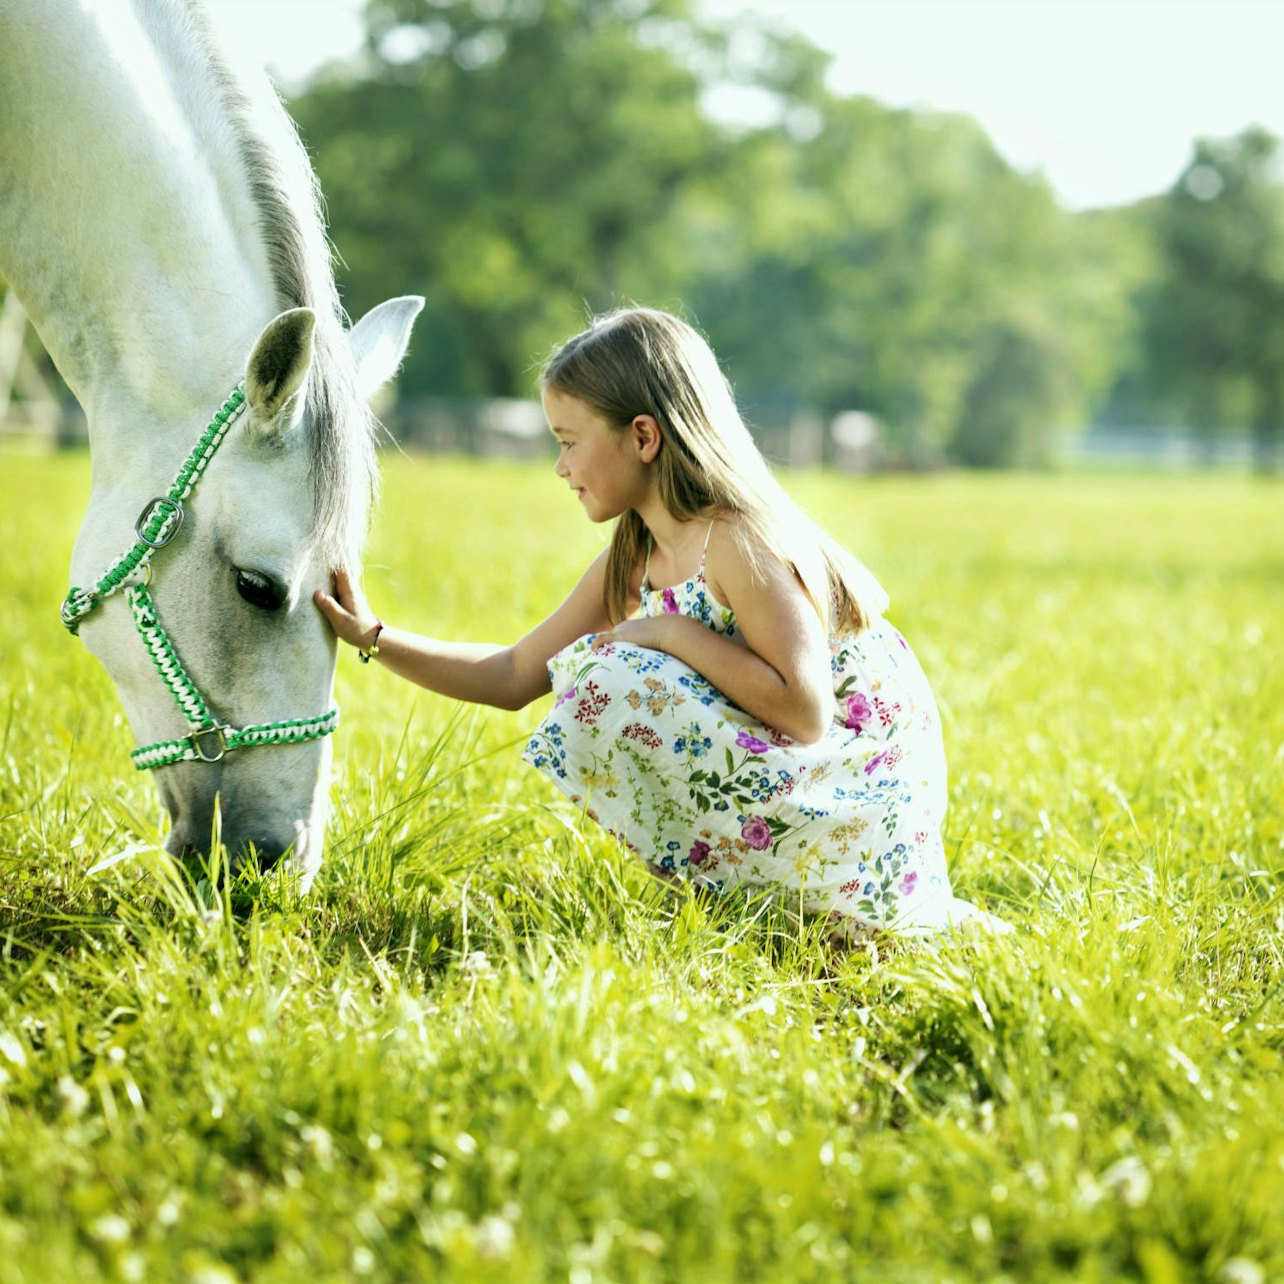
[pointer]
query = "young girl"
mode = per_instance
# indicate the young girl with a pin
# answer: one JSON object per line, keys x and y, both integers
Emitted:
{"x": 730, "y": 702}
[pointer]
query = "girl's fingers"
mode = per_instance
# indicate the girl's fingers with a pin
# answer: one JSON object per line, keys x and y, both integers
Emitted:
{"x": 345, "y": 608}
{"x": 347, "y": 592}
{"x": 329, "y": 608}
{"x": 343, "y": 618}
{"x": 332, "y": 610}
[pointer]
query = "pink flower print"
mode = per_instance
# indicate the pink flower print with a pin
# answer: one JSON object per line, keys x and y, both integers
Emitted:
{"x": 699, "y": 854}
{"x": 569, "y": 694}
{"x": 907, "y": 884}
{"x": 888, "y": 758}
{"x": 752, "y": 743}
{"x": 670, "y": 602}
{"x": 757, "y": 833}
{"x": 858, "y": 712}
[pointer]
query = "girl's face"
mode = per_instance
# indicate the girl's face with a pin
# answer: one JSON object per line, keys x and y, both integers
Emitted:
{"x": 600, "y": 463}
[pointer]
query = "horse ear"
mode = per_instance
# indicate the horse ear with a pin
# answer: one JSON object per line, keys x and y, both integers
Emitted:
{"x": 378, "y": 341}
{"x": 275, "y": 372}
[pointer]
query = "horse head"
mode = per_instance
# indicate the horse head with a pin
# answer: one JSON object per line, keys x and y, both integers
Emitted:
{"x": 214, "y": 623}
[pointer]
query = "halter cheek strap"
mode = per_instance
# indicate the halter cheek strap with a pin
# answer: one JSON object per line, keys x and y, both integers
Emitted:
{"x": 158, "y": 523}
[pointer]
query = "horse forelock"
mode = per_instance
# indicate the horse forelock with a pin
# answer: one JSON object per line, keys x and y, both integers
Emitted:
{"x": 288, "y": 213}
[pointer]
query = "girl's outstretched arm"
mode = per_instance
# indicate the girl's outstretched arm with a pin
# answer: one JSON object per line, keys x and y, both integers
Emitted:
{"x": 508, "y": 677}
{"x": 782, "y": 676}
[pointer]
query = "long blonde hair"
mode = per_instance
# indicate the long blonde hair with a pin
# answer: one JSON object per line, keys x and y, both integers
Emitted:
{"x": 641, "y": 361}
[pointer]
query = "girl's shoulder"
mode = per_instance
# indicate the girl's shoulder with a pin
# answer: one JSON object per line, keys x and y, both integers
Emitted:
{"x": 729, "y": 531}
{"x": 744, "y": 538}
{"x": 737, "y": 554}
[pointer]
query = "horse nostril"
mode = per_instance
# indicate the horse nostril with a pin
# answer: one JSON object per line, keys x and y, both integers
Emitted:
{"x": 259, "y": 854}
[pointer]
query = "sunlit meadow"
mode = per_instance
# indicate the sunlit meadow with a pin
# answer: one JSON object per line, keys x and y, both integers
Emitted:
{"x": 486, "y": 1047}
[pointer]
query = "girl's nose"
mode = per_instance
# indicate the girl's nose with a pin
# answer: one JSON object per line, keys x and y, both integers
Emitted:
{"x": 559, "y": 465}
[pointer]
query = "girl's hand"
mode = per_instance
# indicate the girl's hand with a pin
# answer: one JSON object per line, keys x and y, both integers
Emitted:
{"x": 651, "y": 631}
{"x": 348, "y": 611}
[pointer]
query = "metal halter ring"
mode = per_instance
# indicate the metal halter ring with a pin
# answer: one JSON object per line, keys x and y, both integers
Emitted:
{"x": 171, "y": 507}
{"x": 220, "y": 742}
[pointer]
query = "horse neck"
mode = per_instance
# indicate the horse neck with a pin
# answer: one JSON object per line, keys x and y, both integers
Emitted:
{"x": 127, "y": 224}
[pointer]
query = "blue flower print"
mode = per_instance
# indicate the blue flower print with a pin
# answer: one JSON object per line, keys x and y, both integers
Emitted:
{"x": 691, "y": 742}
{"x": 545, "y": 750}
{"x": 701, "y": 688}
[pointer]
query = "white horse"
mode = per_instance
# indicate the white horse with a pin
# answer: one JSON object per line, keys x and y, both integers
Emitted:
{"x": 159, "y": 221}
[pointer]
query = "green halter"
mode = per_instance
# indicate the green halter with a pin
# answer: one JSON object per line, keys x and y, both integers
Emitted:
{"x": 157, "y": 524}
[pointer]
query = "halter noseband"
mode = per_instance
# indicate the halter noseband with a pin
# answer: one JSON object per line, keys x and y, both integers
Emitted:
{"x": 157, "y": 524}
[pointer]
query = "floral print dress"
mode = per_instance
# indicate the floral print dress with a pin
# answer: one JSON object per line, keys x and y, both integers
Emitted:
{"x": 848, "y": 827}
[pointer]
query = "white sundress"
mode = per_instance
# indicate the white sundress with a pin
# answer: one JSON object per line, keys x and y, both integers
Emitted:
{"x": 848, "y": 827}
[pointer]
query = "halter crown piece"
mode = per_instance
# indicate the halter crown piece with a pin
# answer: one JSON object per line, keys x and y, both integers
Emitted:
{"x": 158, "y": 523}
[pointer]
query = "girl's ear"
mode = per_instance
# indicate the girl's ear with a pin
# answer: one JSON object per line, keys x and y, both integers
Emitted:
{"x": 647, "y": 436}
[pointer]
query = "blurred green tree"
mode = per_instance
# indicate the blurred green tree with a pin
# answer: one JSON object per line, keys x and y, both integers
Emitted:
{"x": 524, "y": 162}
{"x": 1018, "y": 385}
{"x": 903, "y": 264}
{"x": 1215, "y": 319}
{"x": 518, "y": 163}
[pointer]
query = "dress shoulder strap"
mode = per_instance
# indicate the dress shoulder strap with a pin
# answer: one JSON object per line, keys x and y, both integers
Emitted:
{"x": 704, "y": 552}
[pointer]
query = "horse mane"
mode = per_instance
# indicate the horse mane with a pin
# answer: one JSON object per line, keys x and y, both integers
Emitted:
{"x": 289, "y": 213}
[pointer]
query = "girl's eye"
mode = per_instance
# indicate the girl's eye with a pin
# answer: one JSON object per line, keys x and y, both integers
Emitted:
{"x": 259, "y": 590}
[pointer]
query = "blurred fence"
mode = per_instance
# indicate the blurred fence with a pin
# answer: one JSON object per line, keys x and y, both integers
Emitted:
{"x": 37, "y": 412}
{"x": 1171, "y": 448}
{"x": 515, "y": 429}
{"x": 506, "y": 428}
{"x": 39, "y": 427}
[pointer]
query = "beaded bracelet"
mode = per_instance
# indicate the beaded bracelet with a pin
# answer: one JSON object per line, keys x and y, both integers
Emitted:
{"x": 373, "y": 648}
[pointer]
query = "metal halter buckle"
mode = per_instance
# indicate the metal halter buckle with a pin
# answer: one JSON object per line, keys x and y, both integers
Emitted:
{"x": 220, "y": 742}
{"x": 164, "y": 502}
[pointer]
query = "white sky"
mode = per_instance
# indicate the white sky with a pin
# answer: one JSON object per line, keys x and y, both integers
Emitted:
{"x": 1104, "y": 96}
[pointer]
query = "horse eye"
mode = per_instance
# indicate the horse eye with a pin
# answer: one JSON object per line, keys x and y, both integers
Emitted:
{"x": 258, "y": 590}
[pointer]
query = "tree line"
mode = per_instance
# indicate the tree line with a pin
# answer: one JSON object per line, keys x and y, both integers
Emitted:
{"x": 524, "y": 163}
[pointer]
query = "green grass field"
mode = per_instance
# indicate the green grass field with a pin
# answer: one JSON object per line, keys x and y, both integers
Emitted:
{"x": 488, "y": 1048}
